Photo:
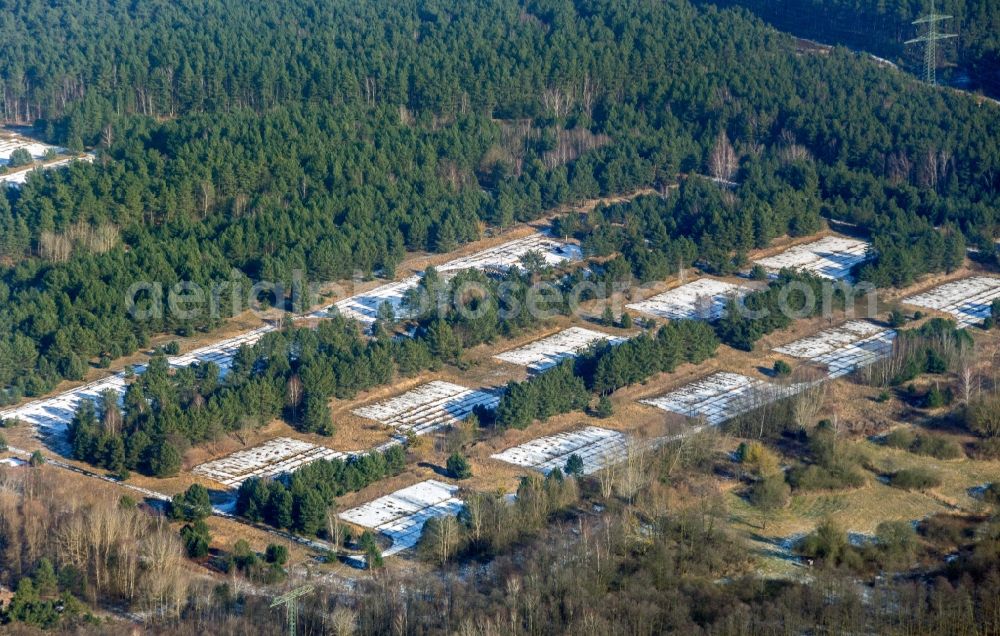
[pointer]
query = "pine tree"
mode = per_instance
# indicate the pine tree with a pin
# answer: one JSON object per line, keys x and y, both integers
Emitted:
{"x": 608, "y": 317}
{"x": 574, "y": 465}
{"x": 458, "y": 466}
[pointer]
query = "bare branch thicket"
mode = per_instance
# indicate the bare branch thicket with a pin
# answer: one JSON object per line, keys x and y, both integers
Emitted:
{"x": 969, "y": 380}
{"x": 882, "y": 372}
{"x": 808, "y": 403}
{"x": 633, "y": 472}
{"x": 760, "y": 410}
{"x": 723, "y": 162}
{"x": 606, "y": 478}
{"x": 475, "y": 513}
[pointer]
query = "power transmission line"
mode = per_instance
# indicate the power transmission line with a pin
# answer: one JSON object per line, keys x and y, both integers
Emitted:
{"x": 290, "y": 601}
{"x": 931, "y": 38}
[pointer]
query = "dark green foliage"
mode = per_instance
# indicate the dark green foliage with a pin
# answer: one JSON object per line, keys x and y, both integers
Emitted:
{"x": 654, "y": 237}
{"x": 302, "y": 502}
{"x": 604, "y": 407}
{"x": 191, "y": 505}
{"x": 33, "y": 604}
{"x": 196, "y": 539}
{"x": 782, "y": 368}
{"x": 164, "y": 411}
{"x": 883, "y": 29}
{"x": 608, "y": 317}
{"x": 607, "y": 368}
{"x": 277, "y": 554}
{"x": 602, "y": 370}
{"x": 930, "y": 348}
{"x": 36, "y": 459}
{"x": 897, "y": 318}
{"x": 215, "y": 159}
{"x": 165, "y": 461}
{"x": 20, "y": 157}
{"x": 268, "y": 571}
{"x": 458, "y": 466}
{"x": 829, "y": 544}
{"x": 370, "y": 547}
{"x": 574, "y": 465}
{"x": 555, "y": 391}
{"x": 786, "y": 298}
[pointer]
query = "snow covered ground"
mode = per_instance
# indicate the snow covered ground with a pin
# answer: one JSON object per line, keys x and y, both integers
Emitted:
{"x": 703, "y": 299}
{"x": 272, "y": 458}
{"x": 844, "y": 349}
{"x": 428, "y": 407}
{"x": 968, "y": 300}
{"x": 721, "y": 397}
{"x": 597, "y": 447}
{"x": 364, "y": 307}
{"x": 548, "y": 352}
{"x": 52, "y": 415}
{"x": 830, "y": 257}
{"x": 401, "y": 515}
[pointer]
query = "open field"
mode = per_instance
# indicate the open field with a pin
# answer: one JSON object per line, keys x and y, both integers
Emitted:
{"x": 830, "y": 257}
{"x": 548, "y": 352}
{"x": 720, "y": 397}
{"x": 9, "y": 142}
{"x": 845, "y": 349}
{"x": 221, "y": 353}
{"x": 275, "y": 457}
{"x": 703, "y": 299}
{"x": 429, "y": 407}
{"x": 401, "y": 515}
{"x": 968, "y": 300}
{"x": 43, "y": 155}
{"x": 364, "y": 307}
{"x": 860, "y": 510}
{"x": 52, "y": 415}
{"x": 597, "y": 447}
{"x": 430, "y": 401}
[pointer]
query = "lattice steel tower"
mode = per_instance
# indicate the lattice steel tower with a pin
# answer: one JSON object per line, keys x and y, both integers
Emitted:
{"x": 290, "y": 601}
{"x": 931, "y": 38}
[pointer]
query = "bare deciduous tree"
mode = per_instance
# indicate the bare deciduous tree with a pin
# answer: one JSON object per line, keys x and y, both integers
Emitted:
{"x": 723, "y": 161}
{"x": 633, "y": 472}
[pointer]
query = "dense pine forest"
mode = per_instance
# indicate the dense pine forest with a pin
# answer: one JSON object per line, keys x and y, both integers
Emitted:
{"x": 246, "y": 141}
{"x": 882, "y": 28}
{"x": 229, "y": 151}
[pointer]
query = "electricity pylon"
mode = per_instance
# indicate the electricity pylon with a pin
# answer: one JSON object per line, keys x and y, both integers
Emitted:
{"x": 931, "y": 38}
{"x": 290, "y": 601}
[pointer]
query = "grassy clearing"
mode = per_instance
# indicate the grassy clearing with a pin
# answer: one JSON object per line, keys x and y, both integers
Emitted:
{"x": 859, "y": 510}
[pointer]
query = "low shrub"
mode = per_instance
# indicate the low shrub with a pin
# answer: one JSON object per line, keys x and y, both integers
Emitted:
{"x": 900, "y": 438}
{"x": 915, "y": 479}
{"x": 938, "y": 447}
{"x": 820, "y": 478}
{"x": 930, "y": 445}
